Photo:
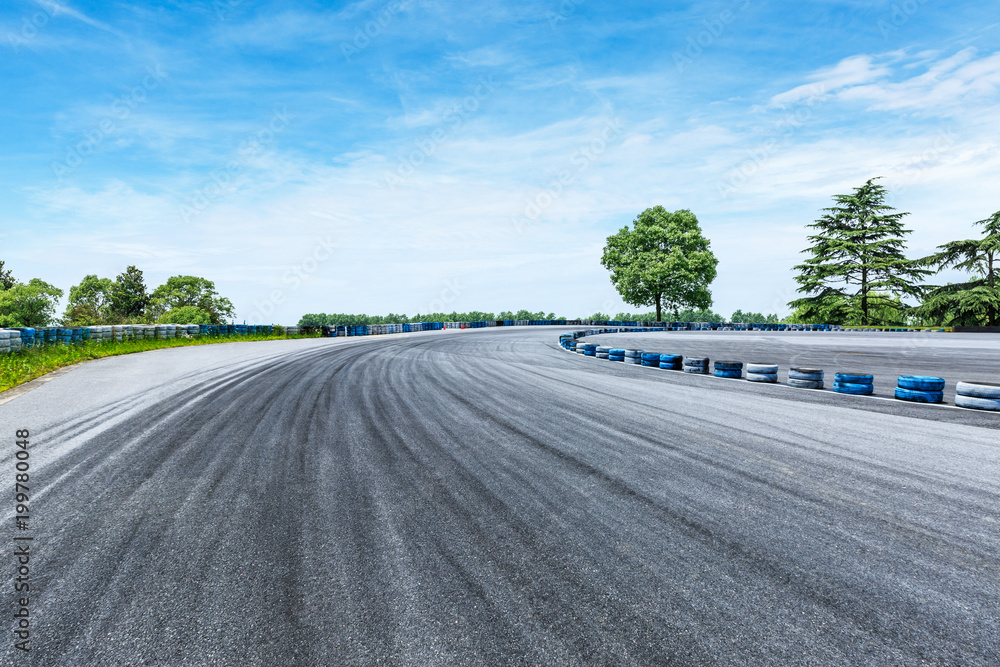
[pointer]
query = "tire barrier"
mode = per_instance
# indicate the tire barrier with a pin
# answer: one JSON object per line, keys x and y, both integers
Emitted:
{"x": 650, "y": 359}
{"x": 859, "y": 384}
{"x": 671, "y": 362}
{"x": 978, "y": 395}
{"x": 696, "y": 365}
{"x": 729, "y": 369}
{"x": 4, "y": 341}
{"x": 920, "y": 389}
{"x": 759, "y": 372}
{"x": 603, "y": 352}
{"x": 590, "y": 350}
{"x": 805, "y": 378}
{"x": 633, "y": 357}
{"x": 615, "y": 354}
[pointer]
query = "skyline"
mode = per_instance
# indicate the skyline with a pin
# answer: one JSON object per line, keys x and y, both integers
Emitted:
{"x": 418, "y": 153}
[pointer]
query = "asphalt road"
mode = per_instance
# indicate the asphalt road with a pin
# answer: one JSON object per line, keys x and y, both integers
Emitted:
{"x": 486, "y": 498}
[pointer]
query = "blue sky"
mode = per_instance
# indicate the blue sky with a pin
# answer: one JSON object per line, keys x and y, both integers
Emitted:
{"x": 408, "y": 156}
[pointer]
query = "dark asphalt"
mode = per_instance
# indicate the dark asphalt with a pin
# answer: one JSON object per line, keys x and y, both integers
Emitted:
{"x": 486, "y": 498}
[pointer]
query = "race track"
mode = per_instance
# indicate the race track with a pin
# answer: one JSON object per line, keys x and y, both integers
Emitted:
{"x": 486, "y": 498}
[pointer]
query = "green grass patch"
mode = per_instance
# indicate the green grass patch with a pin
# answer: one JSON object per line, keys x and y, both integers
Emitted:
{"x": 20, "y": 367}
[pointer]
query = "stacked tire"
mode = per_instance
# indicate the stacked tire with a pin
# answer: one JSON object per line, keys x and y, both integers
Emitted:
{"x": 729, "y": 369}
{"x": 696, "y": 365}
{"x": 615, "y": 354}
{"x": 633, "y": 357}
{"x": 758, "y": 372}
{"x": 671, "y": 362}
{"x": 651, "y": 360}
{"x": 603, "y": 351}
{"x": 4, "y": 341}
{"x": 978, "y": 395}
{"x": 858, "y": 384}
{"x": 920, "y": 389}
{"x": 580, "y": 348}
{"x": 589, "y": 350}
{"x": 805, "y": 378}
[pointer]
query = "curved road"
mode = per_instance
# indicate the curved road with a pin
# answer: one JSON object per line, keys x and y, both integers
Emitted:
{"x": 485, "y": 498}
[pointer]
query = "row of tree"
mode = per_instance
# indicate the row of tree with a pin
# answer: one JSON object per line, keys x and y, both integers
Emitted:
{"x": 343, "y": 319}
{"x": 124, "y": 300}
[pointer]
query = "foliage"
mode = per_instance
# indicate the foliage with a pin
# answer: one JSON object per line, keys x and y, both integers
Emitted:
{"x": 89, "y": 302}
{"x": 6, "y": 278}
{"x": 754, "y": 318}
{"x": 185, "y": 315}
{"x": 29, "y": 305}
{"x": 977, "y": 301}
{"x": 343, "y": 319}
{"x": 128, "y": 295}
{"x": 663, "y": 260}
{"x": 180, "y": 291}
{"x": 860, "y": 243}
{"x": 524, "y": 315}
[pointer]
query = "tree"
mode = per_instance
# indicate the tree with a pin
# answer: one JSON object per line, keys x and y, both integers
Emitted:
{"x": 185, "y": 315}
{"x": 30, "y": 305}
{"x": 663, "y": 260}
{"x": 89, "y": 301}
{"x": 180, "y": 291}
{"x": 128, "y": 295}
{"x": 857, "y": 262}
{"x": 6, "y": 278}
{"x": 753, "y": 318}
{"x": 976, "y": 301}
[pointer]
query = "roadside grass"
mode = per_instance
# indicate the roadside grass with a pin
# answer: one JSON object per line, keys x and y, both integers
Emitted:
{"x": 20, "y": 367}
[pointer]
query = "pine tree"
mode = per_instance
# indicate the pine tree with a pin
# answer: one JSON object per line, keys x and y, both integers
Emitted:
{"x": 976, "y": 301}
{"x": 857, "y": 264}
{"x": 128, "y": 294}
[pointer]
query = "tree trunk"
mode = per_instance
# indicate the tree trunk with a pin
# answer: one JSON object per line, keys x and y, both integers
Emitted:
{"x": 992, "y": 318}
{"x": 659, "y": 310}
{"x": 864, "y": 297}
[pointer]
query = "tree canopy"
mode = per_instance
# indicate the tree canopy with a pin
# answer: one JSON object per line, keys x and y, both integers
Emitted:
{"x": 180, "y": 291}
{"x": 663, "y": 260}
{"x": 857, "y": 264}
{"x": 89, "y": 302}
{"x": 29, "y": 305}
{"x": 128, "y": 294}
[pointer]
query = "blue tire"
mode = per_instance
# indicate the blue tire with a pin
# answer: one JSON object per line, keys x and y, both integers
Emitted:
{"x": 729, "y": 365}
{"x": 671, "y": 358}
{"x": 615, "y": 357}
{"x": 719, "y": 373}
{"x": 670, "y": 367}
{"x": 920, "y": 383}
{"x": 918, "y": 396}
{"x": 854, "y": 378}
{"x": 856, "y": 388}
{"x": 615, "y": 352}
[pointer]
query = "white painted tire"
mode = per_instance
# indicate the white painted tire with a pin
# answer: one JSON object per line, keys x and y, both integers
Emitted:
{"x": 978, "y": 390}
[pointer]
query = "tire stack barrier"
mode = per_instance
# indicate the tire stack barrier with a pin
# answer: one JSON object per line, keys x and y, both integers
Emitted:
{"x": 580, "y": 348}
{"x": 729, "y": 369}
{"x": 978, "y": 395}
{"x": 603, "y": 352}
{"x": 27, "y": 337}
{"x": 671, "y": 362}
{"x": 589, "y": 350}
{"x": 805, "y": 378}
{"x": 760, "y": 372}
{"x": 633, "y": 357}
{"x": 64, "y": 336}
{"x": 920, "y": 389}
{"x": 76, "y": 335}
{"x": 696, "y": 365}
{"x": 650, "y": 359}
{"x": 859, "y": 384}
{"x": 4, "y": 341}
{"x": 616, "y": 354}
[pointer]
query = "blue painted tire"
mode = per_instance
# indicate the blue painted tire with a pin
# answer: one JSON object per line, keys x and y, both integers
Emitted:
{"x": 670, "y": 367}
{"x": 856, "y": 388}
{"x": 729, "y": 365}
{"x": 920, "y": 383}
{"x": 616, "y": 352}
{"x": 650, "y": 356}
{"x": 978, "y": 390}
{"x": 762, "y": 377}
{"x": 918, "y": 396}
{"x": 671, "y": 358}
{"x": 719, "y": 373}
{"x": 615, "y": 357}
{"x": 854, "y": 378}
{"x": 977, "y": 403}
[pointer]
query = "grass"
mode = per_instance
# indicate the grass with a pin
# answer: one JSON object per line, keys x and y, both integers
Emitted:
{"x": 20, "y": 367}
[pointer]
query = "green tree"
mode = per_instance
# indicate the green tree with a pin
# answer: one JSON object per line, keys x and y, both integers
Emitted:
{"x": 976, "y": 301}
{"x": 180, "y": 291}
{"x": 89, "y": 301}
{"x": 129, "y": 299}
{"x": 6, "y": 278}
{"x": 857, "y": 263}
{"x": 753, "y": 318}
{"x": 185, "y": 315}
{"x": 29, "y": 305}
{"x": 663, "y": 260}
